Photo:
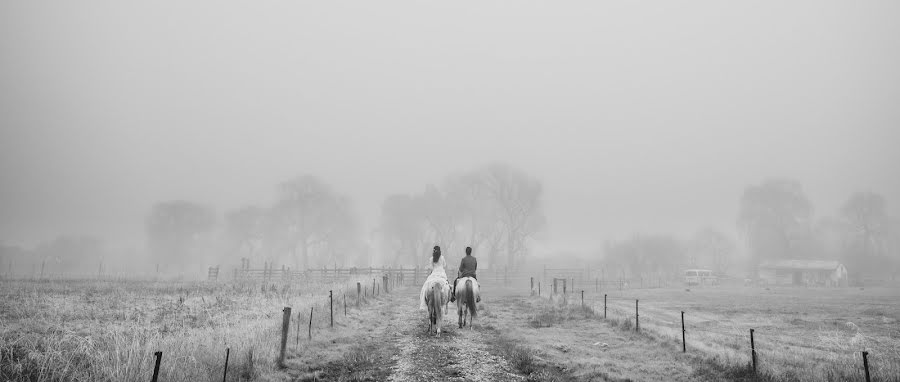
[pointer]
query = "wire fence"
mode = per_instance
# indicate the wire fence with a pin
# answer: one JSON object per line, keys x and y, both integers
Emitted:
{"x": 764, "y": 344}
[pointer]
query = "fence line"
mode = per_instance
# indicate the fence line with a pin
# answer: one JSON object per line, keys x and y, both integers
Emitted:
{"x": 616, "y": 308}
{"x": 389, "y": 283}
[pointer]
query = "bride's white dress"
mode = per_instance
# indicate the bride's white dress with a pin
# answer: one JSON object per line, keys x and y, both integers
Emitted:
{"x": 438, "y": 274}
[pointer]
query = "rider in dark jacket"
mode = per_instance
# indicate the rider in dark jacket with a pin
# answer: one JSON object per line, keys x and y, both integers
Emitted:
{"x": 467, "y": 267}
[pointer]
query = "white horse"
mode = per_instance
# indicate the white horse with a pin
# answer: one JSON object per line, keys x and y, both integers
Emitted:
{"x": 466, "y": 294}
{"x": 436, "y": 300}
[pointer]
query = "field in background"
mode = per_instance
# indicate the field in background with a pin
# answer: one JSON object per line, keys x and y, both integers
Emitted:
{"x": 806, "y": 334}
{"x": 108, "y": 330}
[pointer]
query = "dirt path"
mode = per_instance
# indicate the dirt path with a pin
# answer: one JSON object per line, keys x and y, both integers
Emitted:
{"x": 457, "y": 355}
{"x": 389, "y": 340}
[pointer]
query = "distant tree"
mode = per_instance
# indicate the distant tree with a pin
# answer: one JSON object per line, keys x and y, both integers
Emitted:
{"x": 713, "y": 249}
{"x": 13, "y": 257}
{"x": 831, "y": 236}
{"x": 493, "y": 209}
{"x": 245, "y": 229}
{"x": 646, "y": 254}
{"x": 774, "y": 218}
{"x": 480, "y": 224}
{"x": 868, "y": 230}
{"x": 71, "y": 254}
{"x": 312, "y": 218}
{"x": 517, "y": 197}
{"x": 404, "y": 228}
{"x": 443, "y": 216}
{"x": 176, "y": 230}
{"x": 866, "y": 216}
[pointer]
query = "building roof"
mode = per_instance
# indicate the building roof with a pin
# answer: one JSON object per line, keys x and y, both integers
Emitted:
{"x": 801, "y": 264}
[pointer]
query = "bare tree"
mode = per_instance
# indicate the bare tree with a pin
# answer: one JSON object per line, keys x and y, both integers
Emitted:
{"x": 868, "y": 230}
{"x": 773, "y": 216}
{"x": 403, "y": 226}
{"x": 309, "y": 215}
{"x": 715, "y": 248}
{"x": 443, "y": 216}
{"x": 518, "y": 200}
{"x": 646, "y": 254}
{"x": 245, "y": 229}
{"x": 481, "y": 225}
{"x": 866, "y": 216}
{"x": 175, "y": 230}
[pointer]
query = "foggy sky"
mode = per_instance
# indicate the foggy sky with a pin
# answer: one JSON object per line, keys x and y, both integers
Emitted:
{"x": 649, "y": 116}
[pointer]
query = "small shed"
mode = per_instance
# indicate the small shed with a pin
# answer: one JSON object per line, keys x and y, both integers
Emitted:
{"x": 803, "y": 272}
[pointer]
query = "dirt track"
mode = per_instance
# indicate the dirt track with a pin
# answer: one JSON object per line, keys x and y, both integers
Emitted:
{"x": 392, "y": 343}
{"x": 457, "y": 355}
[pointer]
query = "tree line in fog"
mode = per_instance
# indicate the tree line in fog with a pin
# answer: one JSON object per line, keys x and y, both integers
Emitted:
{"x": 775, "y": 221}
{"x": 497, "y": 210}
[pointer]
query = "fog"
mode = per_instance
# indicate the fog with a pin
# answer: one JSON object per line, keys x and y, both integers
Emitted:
{"x": 647, "y": 117}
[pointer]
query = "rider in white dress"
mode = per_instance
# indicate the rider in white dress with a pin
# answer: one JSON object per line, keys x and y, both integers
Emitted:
{"x": 438, "y": 274}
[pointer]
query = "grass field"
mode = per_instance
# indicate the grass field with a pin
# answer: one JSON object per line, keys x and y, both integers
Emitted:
{"x": 108, "y": 331}
{"x": 805, "y": 334}
{"x": 56, "y": 330}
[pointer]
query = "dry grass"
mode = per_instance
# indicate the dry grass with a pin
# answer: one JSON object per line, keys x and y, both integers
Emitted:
{"x": 800, "y": 334}
{"x": 108, "y": 331}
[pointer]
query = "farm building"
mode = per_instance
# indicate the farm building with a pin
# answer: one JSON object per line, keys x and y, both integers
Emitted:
{"x": 803, "y": 272}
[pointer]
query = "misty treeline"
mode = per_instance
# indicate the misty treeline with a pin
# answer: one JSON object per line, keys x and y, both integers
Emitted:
{"x": 776, "y": 220}
{"x": 496, "y": 209}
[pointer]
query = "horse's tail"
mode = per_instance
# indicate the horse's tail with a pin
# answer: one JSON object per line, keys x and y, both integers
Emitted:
{"x": 435, "y": 302}
{"x": 470, "y": 298}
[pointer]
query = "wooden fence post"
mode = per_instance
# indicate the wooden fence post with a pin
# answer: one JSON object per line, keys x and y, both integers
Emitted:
{"x": 285, "y": 327}
{"x": 345, "y": 303}
{"x": 753, "y": 350}
{"x": 298, "y": 328}
{"x": 225, "y": 373}
{"x": 310, "y": 321}
{"x": 604, "y": 306}
{"x": 637, "y": 324}
{"x": 532, "y": 286}
{"x": 358, "y": 288}
{"x": 683, "y": 342}
{"x": 865, "y": 355}
{"x": 156, "y": 366}
{"x": 582, "y": 299}
{"x": 331, "y": 307}
{"x": 539, "y": 288}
